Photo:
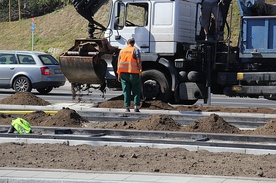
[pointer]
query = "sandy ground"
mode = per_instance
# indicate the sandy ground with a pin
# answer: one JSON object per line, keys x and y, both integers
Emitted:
{"x": 140, "y": 159}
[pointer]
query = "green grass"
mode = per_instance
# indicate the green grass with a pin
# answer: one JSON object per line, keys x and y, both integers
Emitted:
{"x": 54, "y": 33}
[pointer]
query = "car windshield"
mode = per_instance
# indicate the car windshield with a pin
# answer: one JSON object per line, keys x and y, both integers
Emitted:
{"x": 48, "y": 60}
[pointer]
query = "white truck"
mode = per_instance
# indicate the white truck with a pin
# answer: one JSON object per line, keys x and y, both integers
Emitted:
{"x": 178, "y": 66}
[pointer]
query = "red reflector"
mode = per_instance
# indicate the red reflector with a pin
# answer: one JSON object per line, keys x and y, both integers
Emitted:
{"x": 45, "y": 71}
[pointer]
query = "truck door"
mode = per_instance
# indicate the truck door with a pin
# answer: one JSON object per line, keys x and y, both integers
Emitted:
{"x": 130, "y": 19}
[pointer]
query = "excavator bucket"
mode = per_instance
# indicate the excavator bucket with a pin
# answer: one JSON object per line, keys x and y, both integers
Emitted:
{"x": 82, "y": 64}
{"x": 83, "y": 69}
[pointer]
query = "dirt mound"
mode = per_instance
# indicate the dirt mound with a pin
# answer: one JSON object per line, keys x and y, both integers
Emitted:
{"x": 115, "y": 102}
{"x": 268, "y": 129}
{"x": 36, "y": 118}
{"x": 138, "y": 159}
{"x": 24, "y": 98}
{"x": 199, "y": 108}
{"x": 5, "y": 119}
{"x": 212, "y": 124}
{"x": 118, "y": 102}
{"x": 156, "y": 105}
{"x": 63, "y": 118}
{"x": 70, "y": 118}
{"x": 156, "y": 122}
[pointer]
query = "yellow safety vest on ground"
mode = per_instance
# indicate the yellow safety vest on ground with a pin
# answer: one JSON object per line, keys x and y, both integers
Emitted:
{"x": 21, "y": 126}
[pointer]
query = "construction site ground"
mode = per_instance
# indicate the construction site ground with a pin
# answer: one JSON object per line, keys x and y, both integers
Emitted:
{"x": 138, "y": 159}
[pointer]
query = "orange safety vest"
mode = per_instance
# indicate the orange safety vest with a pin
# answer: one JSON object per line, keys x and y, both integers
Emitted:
{"x": 127, "y": 63}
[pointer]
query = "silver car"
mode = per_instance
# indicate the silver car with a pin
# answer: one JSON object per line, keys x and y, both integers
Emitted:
{"x": 27, "y": 70}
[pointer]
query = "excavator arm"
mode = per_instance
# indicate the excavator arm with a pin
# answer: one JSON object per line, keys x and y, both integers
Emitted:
{"x": 87, "y": 9}
{"x": 83, "y": 64}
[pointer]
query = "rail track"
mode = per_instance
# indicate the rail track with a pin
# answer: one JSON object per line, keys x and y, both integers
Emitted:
{"x": 249, "y": 121}
{"x": 213, "y": 142}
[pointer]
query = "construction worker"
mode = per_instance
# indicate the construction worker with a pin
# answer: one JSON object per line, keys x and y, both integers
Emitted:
{"x": 21, "y": 126}
{"x": 129, "y": 74}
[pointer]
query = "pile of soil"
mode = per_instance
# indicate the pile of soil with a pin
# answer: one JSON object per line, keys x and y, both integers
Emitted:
{"x": 198, "y": 108}
{"x": 63, "y": 118}
{"x": 268, "y": 129}
{"x": 70, "y": 118}
{"x": 155, "y": 122}
{"x": 5, "y": 119}
{"x": 117, "y": 102}
{"x": 24, "y": 98}
{"x": 27, "y": 98}
{"x": 212, "y": 124}
{"x": 136, "y": 159}
{"x": 160, "y": 122}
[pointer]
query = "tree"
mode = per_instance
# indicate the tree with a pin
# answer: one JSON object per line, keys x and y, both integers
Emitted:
{"x": 28, "y": 8}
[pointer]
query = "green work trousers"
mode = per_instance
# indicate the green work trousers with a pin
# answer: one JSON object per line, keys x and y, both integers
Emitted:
{"x": 131, "y": 83}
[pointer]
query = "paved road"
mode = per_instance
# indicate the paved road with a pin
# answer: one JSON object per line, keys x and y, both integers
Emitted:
{"x": 63, "y": 94}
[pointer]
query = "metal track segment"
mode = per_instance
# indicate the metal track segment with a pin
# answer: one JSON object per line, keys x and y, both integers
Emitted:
{"x": 154, "y": 143}
{"x": 158, "y": 138}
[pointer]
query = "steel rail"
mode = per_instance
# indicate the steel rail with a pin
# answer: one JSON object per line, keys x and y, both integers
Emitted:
{"x": 240, "y": 121}
{"x": 250, "y": 121}
{"x": 189, "y": 140}
{"x": 73, "y": 136}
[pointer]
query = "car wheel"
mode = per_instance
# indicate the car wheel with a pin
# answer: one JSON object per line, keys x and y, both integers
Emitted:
{"x": 44, "y": 90}
{"x": 155, "y": 86}
{"x": 22, "y": 84}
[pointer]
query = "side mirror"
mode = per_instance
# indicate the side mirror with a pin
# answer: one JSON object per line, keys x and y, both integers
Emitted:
{"x": 116, "y": 23}
{"x": 116, "y": 27}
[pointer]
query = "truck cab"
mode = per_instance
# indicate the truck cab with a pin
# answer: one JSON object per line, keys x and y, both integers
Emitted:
{"x": 157, "y": 26}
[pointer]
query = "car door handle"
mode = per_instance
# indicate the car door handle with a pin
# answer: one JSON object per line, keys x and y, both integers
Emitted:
{"x": 144, "y": 46}
{"x": 11, "y": 68}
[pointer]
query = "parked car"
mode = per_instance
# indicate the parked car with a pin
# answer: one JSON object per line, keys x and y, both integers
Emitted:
{"x": 27, "y": 70}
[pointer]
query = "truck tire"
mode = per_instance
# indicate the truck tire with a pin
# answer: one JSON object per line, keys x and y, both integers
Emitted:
{"x": 155, "y": 86}
{"x": 44, "y": 90}
{"x": 22, "y": 84}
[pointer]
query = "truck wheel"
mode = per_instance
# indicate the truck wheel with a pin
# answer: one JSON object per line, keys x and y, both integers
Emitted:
{"x": 155, "y": 86}
{"x": 22, "y": 84}
{"x": 44, "y": 90}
